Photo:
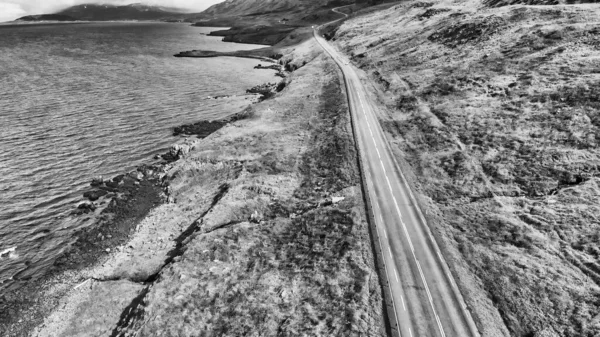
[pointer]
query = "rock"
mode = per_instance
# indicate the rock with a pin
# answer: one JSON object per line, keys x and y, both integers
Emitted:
{"x": 87, "y": 207}
{"x": 97, "y": 181}
{"x": 94, "y": 195}
{"x": 111, "y": 184}
{"x": 547, "y": 332}
{"x": 179, "y": 150}
{"x": 201, "y": 129}
{"x": 255, "y": 217}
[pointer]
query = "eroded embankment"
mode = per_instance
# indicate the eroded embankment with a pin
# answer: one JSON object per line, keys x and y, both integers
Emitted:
{"x": 494, "y": 113}
{"x": 265, "y": 232}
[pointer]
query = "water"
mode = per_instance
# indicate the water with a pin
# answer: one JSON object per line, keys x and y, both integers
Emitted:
{"x": 82, "y": 100}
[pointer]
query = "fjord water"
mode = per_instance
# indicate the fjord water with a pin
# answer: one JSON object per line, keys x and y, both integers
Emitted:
{"x": 83, "y": 100}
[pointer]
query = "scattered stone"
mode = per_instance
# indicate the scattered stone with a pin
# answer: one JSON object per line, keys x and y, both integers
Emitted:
{"x": 97, "y": 181}
{"x": 95, "y": 195}
{"x": 86, "y": 207}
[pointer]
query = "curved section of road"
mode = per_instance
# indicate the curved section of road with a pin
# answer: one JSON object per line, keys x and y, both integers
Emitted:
{"x": 426, "y": 300}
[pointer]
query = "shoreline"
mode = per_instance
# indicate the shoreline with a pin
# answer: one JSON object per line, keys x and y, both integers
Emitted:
{"x": 249, "y": 186}
{"x": 116, "y": 206}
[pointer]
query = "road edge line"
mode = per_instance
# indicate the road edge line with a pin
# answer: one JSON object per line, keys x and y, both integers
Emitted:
{"x": 368, "y": 208}
{"x": 447, "y": 270}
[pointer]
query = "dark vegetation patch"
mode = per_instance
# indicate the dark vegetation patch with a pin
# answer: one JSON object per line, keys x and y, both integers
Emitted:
{"x": 132, "y": 197}
{"x": 379, "y": 78}
{"x": 421, "y": 5}
{"x": 201, "y": 129}
{"x": 432, "y": 12}
{"x": 260, "y": 34}
{"x": 475, "y": 31}
{"x": 502, "y": 3}
{"x": 406, "y": 102}
{"x": 327, "y": 167}
{"x": 537, "y": 41}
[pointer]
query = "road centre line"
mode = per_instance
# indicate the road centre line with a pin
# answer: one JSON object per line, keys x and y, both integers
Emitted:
{"x": 390, "y": 251}
{"x": 403, "y": 306}
{"x": 430, "y": 299}
{"x": 396, "y": 274}
{"x": 389, "y": 184}
{"x": 404, "y": 226}
{"x": 386, "y": 271}
{"x": 410, "y": 332}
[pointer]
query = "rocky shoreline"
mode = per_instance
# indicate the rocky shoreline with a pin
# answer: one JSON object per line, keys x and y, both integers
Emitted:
{"x": 115, "y": 206}
{"x": 268, "y": 206}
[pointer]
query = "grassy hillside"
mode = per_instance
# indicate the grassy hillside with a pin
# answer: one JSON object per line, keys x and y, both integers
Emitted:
{"x": 91, "y": 12}
{"x": 495, "y": 108}
{"x": 267, "y": 21}
{"x": 264, "y": 232}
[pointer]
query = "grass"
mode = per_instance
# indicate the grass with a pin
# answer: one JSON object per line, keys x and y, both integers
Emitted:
{"x": 495, "y": 112}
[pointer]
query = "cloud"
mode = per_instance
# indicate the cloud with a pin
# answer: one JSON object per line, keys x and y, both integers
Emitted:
{"x": 9, "y": 11}
{"x": 13, "y": 9}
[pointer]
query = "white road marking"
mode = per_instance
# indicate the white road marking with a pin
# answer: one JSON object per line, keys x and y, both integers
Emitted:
{"x": 403, "y": 306}
{"x": 378, "y": 154}
{"x": 379, "y": 238}
{"x": 352, "y": 85}
{"x": 396, "y": 274}
{"x": 389, "y": 184}
{"x": 430, "y": 299}
{"x": 390, "y": 251}
{"x": 410, "y": 332}
{"x": 385, "y": 233}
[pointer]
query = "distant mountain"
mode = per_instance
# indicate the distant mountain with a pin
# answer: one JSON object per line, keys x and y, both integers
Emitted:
{"x": 250, "y": 7}
{"x": 93, "y": 12}
{"x": 47, "y": 17}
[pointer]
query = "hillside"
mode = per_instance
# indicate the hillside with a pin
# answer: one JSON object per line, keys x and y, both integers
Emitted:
{"x": 262, "y": 232}
{"x": 270, "y": 21}
{"x": 92, "y": 12}
{"x": 493, "y": 109}
{"x": 254, "y": 7}
{"x": 47, "y": 17}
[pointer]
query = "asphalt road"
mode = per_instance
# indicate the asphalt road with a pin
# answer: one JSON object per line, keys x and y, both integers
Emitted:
{"x": 425, "y": 299}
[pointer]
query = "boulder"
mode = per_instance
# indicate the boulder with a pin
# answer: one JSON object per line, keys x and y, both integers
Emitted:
{"x": 94, "y": 195}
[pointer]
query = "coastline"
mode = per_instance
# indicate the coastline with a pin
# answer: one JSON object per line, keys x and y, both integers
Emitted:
{"x": 117, "y": 207}
{"x": 254, "y": 176}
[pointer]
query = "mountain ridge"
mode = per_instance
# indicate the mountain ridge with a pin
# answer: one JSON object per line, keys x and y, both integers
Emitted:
{"x": 108, "y": 12}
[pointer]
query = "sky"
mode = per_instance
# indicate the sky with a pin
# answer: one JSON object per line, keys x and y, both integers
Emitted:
{"x": 13, "y": 9}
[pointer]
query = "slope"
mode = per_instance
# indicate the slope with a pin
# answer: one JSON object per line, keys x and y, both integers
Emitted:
{"x": 494, "y": 108}
{"x": 91, "y": 12}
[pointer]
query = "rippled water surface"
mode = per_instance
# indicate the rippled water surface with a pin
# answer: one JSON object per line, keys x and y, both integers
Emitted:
{"x": 83, "y": 100}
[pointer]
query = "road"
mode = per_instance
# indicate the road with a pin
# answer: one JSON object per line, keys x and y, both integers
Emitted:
{"x": 425, "y": 299}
